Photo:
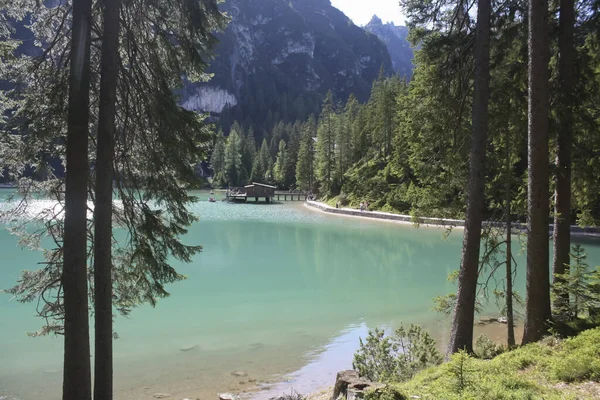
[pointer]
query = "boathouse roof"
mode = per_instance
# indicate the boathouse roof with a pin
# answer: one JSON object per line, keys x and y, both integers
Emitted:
{"x": 260, "y": 184}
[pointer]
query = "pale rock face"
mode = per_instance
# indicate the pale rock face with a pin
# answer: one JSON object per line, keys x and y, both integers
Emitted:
{"x": 313, "y": 83}
{"x": 209, "y": 99}
{"x": 362, "y": 63}
{"x": 305, "y": 46}
{"x": 244, "y": 44}
{"x": 260, "y": 20}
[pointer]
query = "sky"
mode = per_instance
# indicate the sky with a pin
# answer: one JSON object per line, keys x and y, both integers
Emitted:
{"x": 361, "y": 11}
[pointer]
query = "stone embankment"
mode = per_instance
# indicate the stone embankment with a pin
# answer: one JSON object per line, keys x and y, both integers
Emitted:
{"x": 439, "y": 222}
{"x": 384, "y": 215}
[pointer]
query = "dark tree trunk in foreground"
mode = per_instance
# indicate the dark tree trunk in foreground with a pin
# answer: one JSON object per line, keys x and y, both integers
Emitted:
{"x": 562, "y": 218}
{"x": 464, "y": 311}
{"x": 510, "y": 320}
{"x": 76, "y": 378}
{"x": 103, "y": 366}
{"x": 537, "y": 310}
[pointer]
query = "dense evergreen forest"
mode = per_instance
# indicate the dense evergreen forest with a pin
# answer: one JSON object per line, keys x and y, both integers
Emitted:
{"x": 407, "y": 148}
{"x": 500, "y": 120}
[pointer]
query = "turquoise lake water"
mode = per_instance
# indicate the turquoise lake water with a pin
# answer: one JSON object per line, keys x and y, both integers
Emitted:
{"x": 280, "y": 296}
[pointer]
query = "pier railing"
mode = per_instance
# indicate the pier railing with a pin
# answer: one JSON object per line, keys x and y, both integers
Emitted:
{"x": 291, "y": 195}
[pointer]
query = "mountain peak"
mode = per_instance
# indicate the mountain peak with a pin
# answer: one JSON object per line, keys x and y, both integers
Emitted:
{"x": 376, "y": 20}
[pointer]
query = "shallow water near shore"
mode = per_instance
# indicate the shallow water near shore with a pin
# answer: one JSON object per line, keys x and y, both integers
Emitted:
{"x": 277, "y": 300}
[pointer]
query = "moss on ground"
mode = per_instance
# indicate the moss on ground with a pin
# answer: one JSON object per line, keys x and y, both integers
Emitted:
{"x": 551, "y": 369}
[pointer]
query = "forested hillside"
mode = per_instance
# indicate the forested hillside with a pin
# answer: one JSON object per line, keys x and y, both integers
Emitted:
{"x": 277, "y": 59}
{"x": 407, "y": 148}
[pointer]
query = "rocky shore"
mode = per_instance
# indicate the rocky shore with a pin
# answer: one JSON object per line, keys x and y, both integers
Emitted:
{"x": 348, "y": 385}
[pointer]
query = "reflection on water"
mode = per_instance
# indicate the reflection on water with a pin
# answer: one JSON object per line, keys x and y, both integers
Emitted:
{"x": 279, "y": 292}
{"x": 321, "y": 370}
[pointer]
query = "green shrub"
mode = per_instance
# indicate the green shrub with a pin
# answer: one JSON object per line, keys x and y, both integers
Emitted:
{"x": 387, "y": 393}
{"x": 486, "y": 349}
{"x": 343, "y": 199}
{"x": 576, "y": 369}
{"x": 581, "y": 358}
{"x": 374, "y": 359}
{"x": 529, "y": 372}
{"x": 398, "y": 357}
{"x": 579, "y": 289}
{"x": 460, "y": 368}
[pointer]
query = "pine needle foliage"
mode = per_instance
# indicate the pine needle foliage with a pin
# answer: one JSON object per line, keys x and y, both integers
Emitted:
{"x": 398, "y": 357}
{"x": 157, "y": 143}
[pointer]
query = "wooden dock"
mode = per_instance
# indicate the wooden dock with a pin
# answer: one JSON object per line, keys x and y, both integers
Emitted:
{"x": 259, "y": 191}
{"x": 291, "y": 196}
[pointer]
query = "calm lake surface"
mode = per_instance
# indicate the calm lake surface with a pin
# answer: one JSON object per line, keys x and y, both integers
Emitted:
{"x": 277, "y": 300}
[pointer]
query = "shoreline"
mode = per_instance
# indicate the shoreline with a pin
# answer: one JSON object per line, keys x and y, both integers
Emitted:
{"x": 430, "y": 222}
{"x": 384, "y": 216}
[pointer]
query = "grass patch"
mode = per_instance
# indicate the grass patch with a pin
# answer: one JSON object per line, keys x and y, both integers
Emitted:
{"x": 550, "y": 370}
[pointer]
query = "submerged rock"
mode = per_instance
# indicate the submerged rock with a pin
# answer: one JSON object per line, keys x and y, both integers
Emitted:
{"x": 188, "y": 348}
{"x": 239, "y": 374}
{"x": 492, "y": 320}
{"x": 161, "y": 395}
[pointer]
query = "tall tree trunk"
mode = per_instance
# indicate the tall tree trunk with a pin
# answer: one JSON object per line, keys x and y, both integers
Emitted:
{"x": 537, "y": 310}
{"x": 464, "y": 311}
{"x": 76, "y": 375}
{"x": 562, "y": 218}
{"x": 103, "y": 361}
{"x": 510, "y": 320}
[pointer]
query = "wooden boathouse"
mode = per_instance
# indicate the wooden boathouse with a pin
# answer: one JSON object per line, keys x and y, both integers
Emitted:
{"x": 260, "y": 191}
{"x": 255, "y": 190}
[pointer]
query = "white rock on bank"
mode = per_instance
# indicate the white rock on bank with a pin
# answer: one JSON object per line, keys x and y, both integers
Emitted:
{"x": 228, "y": 396}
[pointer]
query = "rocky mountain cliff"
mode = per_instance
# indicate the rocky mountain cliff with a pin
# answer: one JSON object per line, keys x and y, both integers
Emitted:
{"x": 395, "y": 38}
{"x": 278, "y": 58}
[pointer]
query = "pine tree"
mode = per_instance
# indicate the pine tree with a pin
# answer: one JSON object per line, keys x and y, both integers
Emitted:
{"x": 157, "y": 146}
{"x": 249, "y": 152}
{"x": 261, "y": 163}
{"x": 464, "y": 311}
{"x": 351, "y": 114}
{"x": 326, "y": 143}
{"x": 233, "y": 156}
{"x": 343, "y": 145}
{"x": 361, "y": 138}
{"x": 306, "y": 156}
{"x": 76, "y": 367}
{"x": 537, "y": 309}
{"x": 281, "y": 164}
{"x": 293, "y": 142}
{"x": 103, "y": 216}
{"x": 217, "y": 160}
{"x": 562, "y": 212}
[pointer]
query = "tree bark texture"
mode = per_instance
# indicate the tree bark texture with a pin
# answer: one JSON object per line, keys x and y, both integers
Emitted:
{"x": 510, "y": 320}
{"x": 537, "y": 309}
{"x": 464, "y": 311}
{"x": 562, "y": 216}
{"x": 76, "y": 375}
{"x": 103, "y": 351}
